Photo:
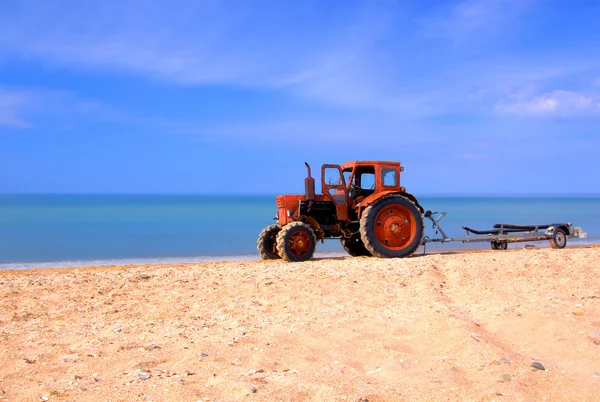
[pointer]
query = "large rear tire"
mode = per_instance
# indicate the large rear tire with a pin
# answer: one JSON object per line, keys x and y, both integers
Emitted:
{"x": 392, "y": 227}
{"x": 296, "y": 242}
{"x": 354, "y": 246}
{"x": 267, "y": 243}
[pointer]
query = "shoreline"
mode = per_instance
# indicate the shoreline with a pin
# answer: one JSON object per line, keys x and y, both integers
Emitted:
{"x": 71, "y": 231}
{"x": 183, "y": 261}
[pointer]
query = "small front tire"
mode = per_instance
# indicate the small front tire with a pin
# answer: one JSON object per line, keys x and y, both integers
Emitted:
{"x": 296, "y": 242}
{"x": 267, "y": 242}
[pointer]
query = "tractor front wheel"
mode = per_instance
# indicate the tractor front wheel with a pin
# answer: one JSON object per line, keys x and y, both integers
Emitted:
{"x": 354, "y": 246}
{"x": 267, "y": 242}
{"x": 392, "y": 227}
{"x": 296, "y": 242}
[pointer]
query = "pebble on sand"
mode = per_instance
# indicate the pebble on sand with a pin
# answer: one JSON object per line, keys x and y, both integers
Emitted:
{"x": 144, "y": 376}
{"x": 538, "y": 366}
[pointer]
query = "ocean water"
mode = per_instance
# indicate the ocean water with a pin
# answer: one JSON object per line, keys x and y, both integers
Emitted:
{"x": 85, "y": 230}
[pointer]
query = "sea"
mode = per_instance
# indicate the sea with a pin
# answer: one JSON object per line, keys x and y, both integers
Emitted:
{"x": 53, "y": 231}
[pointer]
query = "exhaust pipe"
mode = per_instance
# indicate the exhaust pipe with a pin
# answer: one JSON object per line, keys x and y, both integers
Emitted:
{"x": 309, "y": 185}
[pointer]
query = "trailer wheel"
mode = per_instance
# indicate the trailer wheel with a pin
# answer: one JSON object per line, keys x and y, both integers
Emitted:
{"x": 391, "y": 227}
{"x": 499, "y": 245}
{"x": 267, "y": 243}
{"x": 354, "y": 246}
{"x": 559, "y": 239}
{"x": 296, "y": 242}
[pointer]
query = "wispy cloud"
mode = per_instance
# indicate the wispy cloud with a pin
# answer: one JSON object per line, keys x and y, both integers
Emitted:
{"x": 12, "y": 108}
{"x": 186, "y": 42}
{"x": 473, "y": 21}
{"x": 102, "y": 111}
{"x": 325, "y": 132}
{"x": 374, "y": 57}
{"x": 225, "y": 43}
{"x": 342, "y": 63}
{"x": 557, "y": 103}
{"x": 473, "y": 156}
{"x": 21, "y": 107}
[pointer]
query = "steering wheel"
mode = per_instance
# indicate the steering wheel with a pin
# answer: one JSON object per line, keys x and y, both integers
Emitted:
{"x": 352, "y": 191}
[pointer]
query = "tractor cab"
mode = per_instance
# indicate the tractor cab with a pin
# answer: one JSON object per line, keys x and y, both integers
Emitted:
{"x": 350, "y": 184}
{"x": 365, "y": 178}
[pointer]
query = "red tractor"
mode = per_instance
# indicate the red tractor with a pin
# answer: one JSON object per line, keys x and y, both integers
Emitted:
{"x": 362, "y": 204}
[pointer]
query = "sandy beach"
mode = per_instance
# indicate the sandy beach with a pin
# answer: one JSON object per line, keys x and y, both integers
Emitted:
{"x": 454, "y": 326}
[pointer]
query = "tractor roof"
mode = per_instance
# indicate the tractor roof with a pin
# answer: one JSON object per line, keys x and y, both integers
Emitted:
{"x": 370, "y": 162}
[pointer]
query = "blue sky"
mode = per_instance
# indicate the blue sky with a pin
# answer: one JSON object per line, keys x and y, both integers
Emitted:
{"x": 136, "y": 96}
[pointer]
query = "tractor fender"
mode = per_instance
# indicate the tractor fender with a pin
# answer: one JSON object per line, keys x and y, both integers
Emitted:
{"x": 374, "y": 197}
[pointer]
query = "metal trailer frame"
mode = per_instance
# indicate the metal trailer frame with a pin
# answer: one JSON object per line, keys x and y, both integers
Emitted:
{"x": 502, "y": 234}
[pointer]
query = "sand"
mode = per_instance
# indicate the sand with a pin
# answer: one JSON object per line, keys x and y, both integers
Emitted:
{"x": 463, "y": 326}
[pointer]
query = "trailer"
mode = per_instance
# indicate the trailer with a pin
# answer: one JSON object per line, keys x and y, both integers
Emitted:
{"x": 503, "y": 233}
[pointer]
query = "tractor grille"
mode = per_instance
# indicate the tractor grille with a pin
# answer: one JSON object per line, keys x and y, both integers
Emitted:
{"x": 280, "y": 202}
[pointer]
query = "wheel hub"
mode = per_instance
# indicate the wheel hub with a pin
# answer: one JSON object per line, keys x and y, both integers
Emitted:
{"x": 299, "y": 243}
{"x": 394, "y": 227}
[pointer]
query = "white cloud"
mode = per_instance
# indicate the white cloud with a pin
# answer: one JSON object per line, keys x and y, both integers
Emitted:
{"x": 557, "y": 103}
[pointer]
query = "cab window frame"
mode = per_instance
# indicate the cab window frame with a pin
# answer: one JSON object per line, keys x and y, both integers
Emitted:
{"x": 394, "y": 174}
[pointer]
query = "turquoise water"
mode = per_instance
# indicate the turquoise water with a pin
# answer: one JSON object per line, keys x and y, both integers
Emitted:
{"x": 79, "y": 230}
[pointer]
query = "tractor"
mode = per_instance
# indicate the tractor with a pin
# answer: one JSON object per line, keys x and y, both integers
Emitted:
{"x": 361, "y": 203}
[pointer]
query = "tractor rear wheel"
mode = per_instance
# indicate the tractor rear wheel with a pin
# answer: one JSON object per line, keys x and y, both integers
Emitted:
{"x": 296, "y": 242}
{"x": 354, "y": 245}
{"x": 267, "y": 242}
{"x": 392, "y": 227}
